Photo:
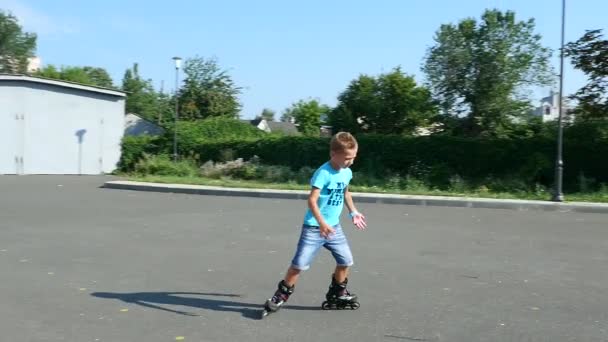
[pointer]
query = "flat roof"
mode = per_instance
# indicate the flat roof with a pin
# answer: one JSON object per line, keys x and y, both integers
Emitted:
{"x": 61, "y": 83}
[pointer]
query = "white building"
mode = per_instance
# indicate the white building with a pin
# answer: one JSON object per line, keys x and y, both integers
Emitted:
{"x": 33, "y": 64}
{"x": 549, "y": 107}
{"x": 55, "y": 127}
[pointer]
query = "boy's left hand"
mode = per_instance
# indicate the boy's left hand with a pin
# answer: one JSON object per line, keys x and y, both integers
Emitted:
{"x": 359, "y": 221}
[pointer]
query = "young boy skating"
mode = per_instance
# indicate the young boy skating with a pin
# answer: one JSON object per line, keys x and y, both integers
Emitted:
{"x": 322, "y": 228}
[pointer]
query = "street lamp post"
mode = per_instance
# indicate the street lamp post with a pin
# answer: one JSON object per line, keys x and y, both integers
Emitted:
{"x": 558, "y": 195}
{"x": 178, "y": 63}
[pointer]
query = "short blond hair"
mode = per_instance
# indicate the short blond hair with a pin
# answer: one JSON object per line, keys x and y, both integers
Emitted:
{"x": 342, "y": 141}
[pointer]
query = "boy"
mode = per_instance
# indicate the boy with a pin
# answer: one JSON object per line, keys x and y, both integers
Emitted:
{"x": 322, "y": 228}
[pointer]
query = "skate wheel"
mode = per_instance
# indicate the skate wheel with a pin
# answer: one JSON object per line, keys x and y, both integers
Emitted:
{"x": 326, "y": 306}
{"x": 355, "y": 306}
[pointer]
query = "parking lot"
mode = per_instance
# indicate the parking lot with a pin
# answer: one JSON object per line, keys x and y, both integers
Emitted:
{"x": 84, "y": 263}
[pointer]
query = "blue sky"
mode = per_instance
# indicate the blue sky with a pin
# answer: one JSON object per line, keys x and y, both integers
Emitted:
{"x": 278, "y": 51}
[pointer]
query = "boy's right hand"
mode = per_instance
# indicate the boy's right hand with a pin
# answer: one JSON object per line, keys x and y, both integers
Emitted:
{"x": 326, "y": 231}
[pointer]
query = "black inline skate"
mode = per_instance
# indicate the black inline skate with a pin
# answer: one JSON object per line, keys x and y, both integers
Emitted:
{"x": 278, "y": 299}
{"x": 338, "y": 297}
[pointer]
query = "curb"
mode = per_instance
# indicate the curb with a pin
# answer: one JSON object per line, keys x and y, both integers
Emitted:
{"x": 435, "y": 201}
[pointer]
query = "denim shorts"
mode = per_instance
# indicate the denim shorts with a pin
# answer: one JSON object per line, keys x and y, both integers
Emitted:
{"x": 311, "y": 241}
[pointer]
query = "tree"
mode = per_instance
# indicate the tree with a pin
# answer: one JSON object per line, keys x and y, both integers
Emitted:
{"x": 208, "y": 91}
{"x": 267, "y": 114}
{"x": 99, "y": 77}
{"x": 307, "y": 115}
{"x": 590, "y": 55}
{"x": 166, "y": 108}
{"x": 85, "y": 75}
{"x": 391, "y": 103}
{"x": 16, "y": 46}
{"x": 286, "y": 117}
{"x": 481, "y": 68}
{"x": 142, "y": 99}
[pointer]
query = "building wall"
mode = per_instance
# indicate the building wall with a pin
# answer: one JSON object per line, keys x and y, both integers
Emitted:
{"x": 549, "y": 108}
{"x": 58, "y": 130}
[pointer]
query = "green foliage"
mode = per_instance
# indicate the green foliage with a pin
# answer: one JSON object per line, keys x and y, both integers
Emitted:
{"x": 421, "y": 165}
{"x": 286, "y": 117}
{"x": 208, "y": 91}
{"x": 435, "y": 160}
{"x": 16, "y": 46}
{"x": 254, "y": 170}
{"x": 590, "y": 55}
{"x": 389, "y": 104}
{"x": 267, "y": 114}
{"x": 142, "y": 99}
{"x": 84, "y": 75}
{"x": 163, "y": 165}
{"x": 192, "y": 133}
{"x": 481, "y": 68}
{"x": 135, "y": 147}
{"x": 307, "y": 115}
{"x": 99, "y": 77}
{"x": 591, "y": 130}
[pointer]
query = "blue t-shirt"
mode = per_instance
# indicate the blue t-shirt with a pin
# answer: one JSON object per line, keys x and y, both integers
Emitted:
{"x": 333, "y": 184}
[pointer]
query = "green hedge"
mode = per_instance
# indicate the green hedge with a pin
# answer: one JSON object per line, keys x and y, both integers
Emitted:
{"x": 134, "y": 148}
{"x": 434, "y": 159}
{"x": 193, "y": 133}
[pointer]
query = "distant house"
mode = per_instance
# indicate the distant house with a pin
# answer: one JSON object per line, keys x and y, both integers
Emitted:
{"x": 136, "y": 125}
{"x": 326, "y": 131}
{"x": 259, "y": 124}
{"x": 549, "y": 107}
{"x": 286, "y": 128}
{"x": 57, "y": 127}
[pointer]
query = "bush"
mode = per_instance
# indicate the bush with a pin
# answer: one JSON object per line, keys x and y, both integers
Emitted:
{"x": 252, "y": 169}
{"x": 162, "y": 165}
{"x": 133, "y": 149}
{"x": 192, "y": 133}
{"x": 433, "y": 160}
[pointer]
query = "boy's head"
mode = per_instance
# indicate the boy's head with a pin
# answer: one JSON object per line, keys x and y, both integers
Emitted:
{"x": 343, "y": 149}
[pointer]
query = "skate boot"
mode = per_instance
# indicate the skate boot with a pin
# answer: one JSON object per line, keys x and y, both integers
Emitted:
{"x": 338, "y": 297}
{"x": 278, "y": 299}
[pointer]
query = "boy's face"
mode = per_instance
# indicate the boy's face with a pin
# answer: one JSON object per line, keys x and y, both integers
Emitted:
{"x": 344, "y": 158}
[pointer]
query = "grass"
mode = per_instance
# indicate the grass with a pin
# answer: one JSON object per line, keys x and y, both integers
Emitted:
{"x": 599, "y": 196}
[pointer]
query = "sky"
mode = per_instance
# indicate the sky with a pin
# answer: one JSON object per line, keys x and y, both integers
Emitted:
{"x": 280, "y": 52}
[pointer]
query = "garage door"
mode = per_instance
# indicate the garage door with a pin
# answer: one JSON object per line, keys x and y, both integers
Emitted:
{"x": 63, "y": 143}
{"x": 11, "y": 143}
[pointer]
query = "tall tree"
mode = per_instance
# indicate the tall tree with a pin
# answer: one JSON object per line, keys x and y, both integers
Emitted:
{"x": 99, "y": 76}
{"x": 391, "y": 103}
{"x": 590, "y": 55}
{"x": 307, "y": 115}
{"x": 480, "y": 68}
{"x": 16, "y": 46}
{"x": 208, "y": 91}
{"x": 85, "y": 75}
{"x": 142, "y": 99}
{"x": 267, "y": 114}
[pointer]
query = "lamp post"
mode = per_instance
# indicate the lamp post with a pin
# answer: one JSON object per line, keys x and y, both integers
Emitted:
{"x": 178, "y": 64}
{"x": 558, "y": 195}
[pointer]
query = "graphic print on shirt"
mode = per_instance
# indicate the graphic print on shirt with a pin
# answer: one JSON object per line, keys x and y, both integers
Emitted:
{"x": 336, "y": 195}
